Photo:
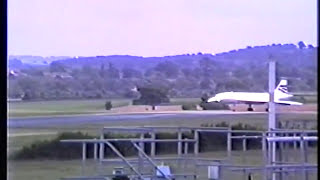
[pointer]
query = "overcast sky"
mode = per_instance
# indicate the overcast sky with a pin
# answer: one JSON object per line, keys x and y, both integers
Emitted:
{"x": 155, "y": 27}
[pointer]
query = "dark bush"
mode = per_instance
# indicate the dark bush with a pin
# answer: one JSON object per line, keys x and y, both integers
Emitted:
{"x": 222, "y": 124}
{"x": 108, "y": 105}
{"x": 189, "y": 107}
{"x": 218, "y": 140}
{"x": 121, "y": 178}
{"x": 53, "y": 149}
{"x": 251, "y": 143}
{"x": 163, "y": 148}
{"x": 137, "y": 102}
{"x": 214, "y": 106}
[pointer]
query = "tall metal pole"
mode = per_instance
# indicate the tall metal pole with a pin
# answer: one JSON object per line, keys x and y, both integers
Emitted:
{"x": 272, "y": 79}
{"x": 272, "y": 114}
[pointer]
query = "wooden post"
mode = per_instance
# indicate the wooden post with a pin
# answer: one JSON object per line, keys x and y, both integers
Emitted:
{"x": 244, "y": 149}
{"x": 95, "y": 148}
{"x": 153, "y": 144}
{"x": 141, "y": 145}
{"x": 244, "y": 143}
{"x": 186, "y": 147}
{"x": 179, "y": 143}
{"x": 196, "y": 144}
{"x": 280, "y": 158}
{"x": 101, "y": 147}
{"x": 294, "y": 143}
{"x": 264, "y": 154}
{"x": 84, "y": 151}
{"x": 229, "y": 143}
{"x": 303, "y": 157}
{"x": 286, "y": 150}
{"x": 84, "y": 154}
{"x": 244, "y": 174}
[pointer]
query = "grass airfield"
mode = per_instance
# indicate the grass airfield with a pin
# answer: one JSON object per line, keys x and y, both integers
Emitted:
{"x": 51, "y": 169}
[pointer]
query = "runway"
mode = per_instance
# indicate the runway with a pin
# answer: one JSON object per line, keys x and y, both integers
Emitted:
{"x": 49, "y": 121}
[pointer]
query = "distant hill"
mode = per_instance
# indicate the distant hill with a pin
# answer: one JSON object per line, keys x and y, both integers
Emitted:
{"x": 36, "y": 60}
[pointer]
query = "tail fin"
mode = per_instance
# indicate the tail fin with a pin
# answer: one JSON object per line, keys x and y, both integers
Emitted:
{"x": 282, "y": 87}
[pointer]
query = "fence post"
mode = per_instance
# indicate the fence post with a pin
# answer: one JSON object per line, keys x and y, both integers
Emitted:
{"x": 179, "y": 143}
{"x": 229, "y": 143}
{"x": 95, "y": 150}
{"x": 101, "y": 147}
{"x": 294, "y": 143}
{"x": 244, "y": 143}
{"x": 84, "y": 154}
{"x": 84, "y": 151}
{"x": 196, "y": 144}
{"x": 186, "y": 147}
{"x": 153, "y": 144}
{"x": 264, "y": 154}
{"x": 303, "y": 157}
{"x": 141, "y": 145}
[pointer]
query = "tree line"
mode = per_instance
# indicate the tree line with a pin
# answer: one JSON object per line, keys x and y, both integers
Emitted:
{"x": 180, "y": 76}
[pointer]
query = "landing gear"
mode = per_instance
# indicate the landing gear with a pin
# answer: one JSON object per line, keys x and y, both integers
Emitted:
{"x": 250, "y": 107}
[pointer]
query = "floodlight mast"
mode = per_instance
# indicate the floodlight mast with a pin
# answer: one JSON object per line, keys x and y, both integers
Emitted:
{"x": 271, "y": 108}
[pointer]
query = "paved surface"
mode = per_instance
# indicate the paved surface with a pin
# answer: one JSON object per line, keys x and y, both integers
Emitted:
{"x": 31, "y": 134}
{"x": 29, "y": 122}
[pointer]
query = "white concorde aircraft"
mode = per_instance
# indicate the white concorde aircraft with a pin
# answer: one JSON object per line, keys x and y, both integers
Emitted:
{"x": 250, "y": 98}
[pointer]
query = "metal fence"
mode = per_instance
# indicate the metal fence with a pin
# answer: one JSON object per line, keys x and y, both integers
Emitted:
{"x": 190, "y": 165}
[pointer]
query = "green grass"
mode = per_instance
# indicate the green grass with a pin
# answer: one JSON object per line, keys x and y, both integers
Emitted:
{"x": 57, "y": 169}
{"x": 63, "y": 107}
{"x": 73, "y": 107}
{"x": 40, "y": 170}
{"x": 258, "y": 120}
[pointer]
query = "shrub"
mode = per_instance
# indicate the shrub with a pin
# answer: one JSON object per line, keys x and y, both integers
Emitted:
{"x": 137, "y": 102}
{"x": 121, "y": 178}
{"x": 214, "y": 106}
{"x": 53, "y": 149}
{"x": 189, "y": 107}
{"x": 222, "y": 124}
{"x": 218, "y": 140}
{"x": 108, "y": 105}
